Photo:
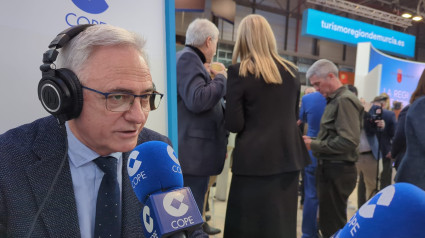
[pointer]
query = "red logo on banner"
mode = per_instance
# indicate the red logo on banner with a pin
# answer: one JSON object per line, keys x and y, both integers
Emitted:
{"x": 343, "y": 78}
{"x": 399, "y": 76}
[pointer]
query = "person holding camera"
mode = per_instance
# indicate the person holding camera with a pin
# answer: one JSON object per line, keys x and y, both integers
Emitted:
{"x": 369, "y": 156}
{"x": 385, "y": 140}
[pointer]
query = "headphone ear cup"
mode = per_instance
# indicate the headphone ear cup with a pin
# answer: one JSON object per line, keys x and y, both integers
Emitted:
{"x": 74, "y": 86}
{"x": 61, "y": 95}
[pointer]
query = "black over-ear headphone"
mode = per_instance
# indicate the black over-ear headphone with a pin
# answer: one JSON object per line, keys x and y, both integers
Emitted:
{"x": 59, "y": 90}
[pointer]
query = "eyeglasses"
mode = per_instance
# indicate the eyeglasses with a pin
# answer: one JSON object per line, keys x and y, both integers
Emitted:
{"x": 121, "y": 102}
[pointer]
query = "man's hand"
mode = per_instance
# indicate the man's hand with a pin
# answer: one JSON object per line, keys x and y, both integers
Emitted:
{"x": 299, "y": 122}
{"x": 366, "y": 105}
{"x": 207, "y": 67}
{"x": 218, "y": 68}
{"x": 380, "y": 124}
{"x": 307, "y": 141}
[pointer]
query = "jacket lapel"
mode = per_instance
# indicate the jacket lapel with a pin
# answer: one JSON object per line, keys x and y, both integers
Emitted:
{"x": 59, "y": 214}
{"x": 131, "y": 207}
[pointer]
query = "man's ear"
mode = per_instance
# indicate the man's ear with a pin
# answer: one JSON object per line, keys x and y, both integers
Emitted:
{"x": 208, "y": 41}
{"x": 331, "y": 76}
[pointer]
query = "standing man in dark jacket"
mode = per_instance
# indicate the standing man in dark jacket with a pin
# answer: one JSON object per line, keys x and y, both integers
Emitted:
{"x": 385, "y": 140}
{"x": 202, "y": 137}
{"x": 335, "y": 146}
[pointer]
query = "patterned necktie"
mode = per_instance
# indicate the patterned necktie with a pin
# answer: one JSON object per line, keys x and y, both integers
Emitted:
{"x": 108, "y": 207}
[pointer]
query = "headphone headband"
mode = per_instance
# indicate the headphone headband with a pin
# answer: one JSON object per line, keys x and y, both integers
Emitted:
{"x": 65, "y": 36}
{"x": 59, "y": 90}
{"x": 60, "y": 40}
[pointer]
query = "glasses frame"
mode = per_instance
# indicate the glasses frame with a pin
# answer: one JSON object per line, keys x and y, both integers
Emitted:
{"x": 151, "y": 98}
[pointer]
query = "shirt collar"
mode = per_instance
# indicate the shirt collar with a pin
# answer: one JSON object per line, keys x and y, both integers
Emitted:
{"x": 199, "y": 53}
{"x": 336, "y": 93}
{"x": 80, "y": 154}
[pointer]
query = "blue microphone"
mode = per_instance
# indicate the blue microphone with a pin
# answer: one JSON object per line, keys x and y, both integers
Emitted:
{"x": 157, "y": 180}
{"x": 396, "y": 211}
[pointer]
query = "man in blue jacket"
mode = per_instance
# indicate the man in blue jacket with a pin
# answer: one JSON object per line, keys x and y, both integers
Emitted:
{"x": 311, "y": 111}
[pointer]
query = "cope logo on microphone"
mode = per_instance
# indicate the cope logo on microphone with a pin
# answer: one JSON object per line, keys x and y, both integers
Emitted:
{"x": 173, "y": 204}
{"x": 172, "y": 155}
{"x": 147, "y": 219}
{"x": 133, "y": 164}
{"x": 91, "y": 6}
{"x": 385, "y": 199}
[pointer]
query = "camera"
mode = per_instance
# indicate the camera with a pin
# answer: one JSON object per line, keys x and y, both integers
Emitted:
{"x": 377, "y": 113}
{"x": 374, "y": 114}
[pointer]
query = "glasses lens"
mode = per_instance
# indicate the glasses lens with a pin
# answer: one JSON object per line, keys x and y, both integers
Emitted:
{"x": 155, "y": 100}
{"x": 144, "y": 101}
{"x": 119, "y": 102}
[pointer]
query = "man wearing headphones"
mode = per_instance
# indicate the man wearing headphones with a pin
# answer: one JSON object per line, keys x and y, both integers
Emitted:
{"x": 52, "y": 176}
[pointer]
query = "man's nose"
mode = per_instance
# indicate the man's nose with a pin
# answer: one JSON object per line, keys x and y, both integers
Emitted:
{"x": 136, "y": 113}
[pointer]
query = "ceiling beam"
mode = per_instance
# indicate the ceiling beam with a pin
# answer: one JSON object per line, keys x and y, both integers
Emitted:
{"x": 262, "y": 7}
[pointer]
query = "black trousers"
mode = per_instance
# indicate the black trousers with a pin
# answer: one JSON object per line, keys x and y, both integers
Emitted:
{"x": 198, "y": 185}
{"x": 336, "y": 181}
{"x": 386, "y": 174}
{"x": 361, "y": 191}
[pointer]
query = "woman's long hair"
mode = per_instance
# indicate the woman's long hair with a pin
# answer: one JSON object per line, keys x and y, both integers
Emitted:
{"x": 420, "y": 89}
{"x": 256, "y": 48}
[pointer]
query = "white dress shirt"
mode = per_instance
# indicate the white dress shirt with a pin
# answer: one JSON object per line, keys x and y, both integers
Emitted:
{"x": 86, "y": 179}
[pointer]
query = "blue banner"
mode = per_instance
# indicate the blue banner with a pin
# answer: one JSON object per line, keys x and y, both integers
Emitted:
{"x": 399, "y": 77}
{"x": 335, "y": 28}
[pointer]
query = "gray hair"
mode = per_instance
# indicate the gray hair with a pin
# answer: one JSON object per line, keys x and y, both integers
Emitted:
{"x": 321, "y": 68}
{"x": 199, "y": 30}
{"x": 75, "y": 54}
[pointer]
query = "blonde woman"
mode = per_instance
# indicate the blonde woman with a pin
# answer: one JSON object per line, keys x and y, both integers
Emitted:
{"x": 262, "y": 107}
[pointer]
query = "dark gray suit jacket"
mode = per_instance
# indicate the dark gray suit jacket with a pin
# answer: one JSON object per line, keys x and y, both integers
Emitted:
{"x": 202, "y": 137}
{"x": 412, "y": 167}
{"x": 399, "y": 140}
{"x": 30, "y": 156}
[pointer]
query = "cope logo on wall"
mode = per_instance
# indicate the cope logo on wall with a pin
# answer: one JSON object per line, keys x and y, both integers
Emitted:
{"x": 91, "y": 6}
{"x": 173, "y": 204}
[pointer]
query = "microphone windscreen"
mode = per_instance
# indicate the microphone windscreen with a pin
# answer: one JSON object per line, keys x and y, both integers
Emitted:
{"x": 396, "y": 211}
{"x": 153, "y": 167}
